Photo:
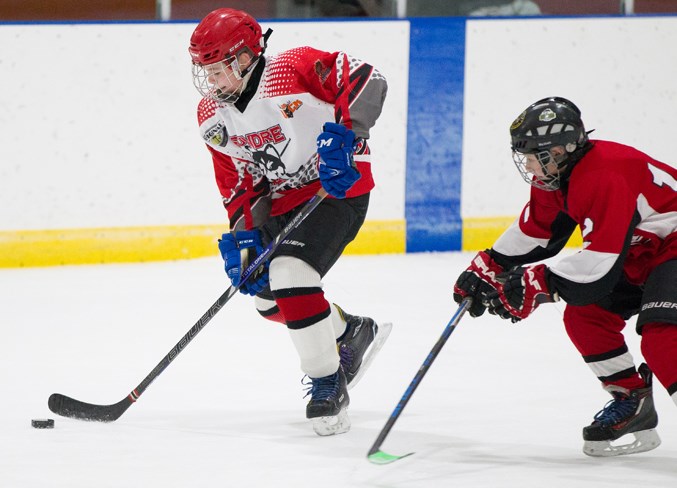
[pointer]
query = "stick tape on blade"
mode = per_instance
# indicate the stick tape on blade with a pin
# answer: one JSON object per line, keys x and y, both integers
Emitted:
{"x": 380, "y": 457}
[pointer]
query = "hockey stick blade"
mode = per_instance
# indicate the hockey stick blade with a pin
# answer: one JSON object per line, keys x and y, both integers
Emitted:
{"x": 380, "y": 457}
{"x": 72, "y": 408}
{"x": 375, "y": 454}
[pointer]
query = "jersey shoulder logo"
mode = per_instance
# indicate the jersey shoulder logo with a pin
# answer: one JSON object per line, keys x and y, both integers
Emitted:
{"x": 217, "y": 134}
{"x": 322, "y": 71}
{"x": 290, "y": 107}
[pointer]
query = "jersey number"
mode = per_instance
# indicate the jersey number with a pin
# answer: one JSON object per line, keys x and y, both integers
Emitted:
{"x": 661, "y": 177}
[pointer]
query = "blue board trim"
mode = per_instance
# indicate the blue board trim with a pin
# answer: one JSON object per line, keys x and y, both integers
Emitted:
{"x": 435, "y": 134}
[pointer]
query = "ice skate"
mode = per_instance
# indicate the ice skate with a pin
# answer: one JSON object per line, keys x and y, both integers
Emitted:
{"x": 361, "y": 342}
{"x": 630, "y": 412}
{"x": 328, "y": 404}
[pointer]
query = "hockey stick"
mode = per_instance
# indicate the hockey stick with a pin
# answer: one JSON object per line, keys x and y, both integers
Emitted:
{"x": 376, "y": 455}
{"x": 70, "y": 407}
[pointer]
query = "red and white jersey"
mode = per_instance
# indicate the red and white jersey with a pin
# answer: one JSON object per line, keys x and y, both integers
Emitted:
{"x": 264, "y": 146}
{"x": 624, "y": 202}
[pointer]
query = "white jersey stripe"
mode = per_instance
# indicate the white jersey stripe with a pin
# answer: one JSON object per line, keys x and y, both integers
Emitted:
{"x": 660, "y": 224}
{"x": 515, "y": 242}
{"x": 609, "y": 367}
{"x": 585, "y": 266}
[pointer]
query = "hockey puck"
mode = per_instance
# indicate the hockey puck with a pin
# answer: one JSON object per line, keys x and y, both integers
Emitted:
{"x": 42, "y": 423}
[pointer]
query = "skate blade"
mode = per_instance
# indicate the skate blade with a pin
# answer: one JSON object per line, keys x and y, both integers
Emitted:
{"x": 337, "y": 424}
{"x": 645, "y": 440}
{"x": 374, "y": 348}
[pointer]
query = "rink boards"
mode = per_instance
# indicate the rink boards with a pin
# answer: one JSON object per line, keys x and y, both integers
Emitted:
{"x": 101, "y": 160}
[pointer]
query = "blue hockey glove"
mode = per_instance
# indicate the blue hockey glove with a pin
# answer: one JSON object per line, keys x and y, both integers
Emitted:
{"x": 335, "y": 146}
{"x": 237, "y": 251}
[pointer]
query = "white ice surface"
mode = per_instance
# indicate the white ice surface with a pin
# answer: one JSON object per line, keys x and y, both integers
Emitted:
{"x": 502, "y": 406}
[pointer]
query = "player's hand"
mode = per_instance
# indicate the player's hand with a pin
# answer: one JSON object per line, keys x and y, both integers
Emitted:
{"x": 522, "y": 291}
{"x": 237, "y": 251}
{"x": 335, "y": 146}
{"x": 476, "y": 281}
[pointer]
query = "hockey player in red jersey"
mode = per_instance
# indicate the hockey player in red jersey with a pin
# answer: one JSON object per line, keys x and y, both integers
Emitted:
{"x": 279, "y": 128}
{"x": 625, "y": 203}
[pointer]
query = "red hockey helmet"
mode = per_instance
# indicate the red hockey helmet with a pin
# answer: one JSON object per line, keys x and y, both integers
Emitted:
{"x": 224, "y": 33}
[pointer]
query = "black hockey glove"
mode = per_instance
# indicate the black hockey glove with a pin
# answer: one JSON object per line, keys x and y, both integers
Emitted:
{"x": 522, "y": 291}
{"x": 477, "y": 281}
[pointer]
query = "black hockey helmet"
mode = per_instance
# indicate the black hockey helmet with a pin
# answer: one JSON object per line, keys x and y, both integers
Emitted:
{"x": 552, "y": 121}
{"x": 547, "y": 123}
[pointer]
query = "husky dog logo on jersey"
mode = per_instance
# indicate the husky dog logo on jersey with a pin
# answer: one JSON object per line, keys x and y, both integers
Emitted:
{"x": 270, "y": 159}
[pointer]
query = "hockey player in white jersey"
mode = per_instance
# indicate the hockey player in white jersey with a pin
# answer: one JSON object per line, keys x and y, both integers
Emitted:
{"x": 279, "y": 128}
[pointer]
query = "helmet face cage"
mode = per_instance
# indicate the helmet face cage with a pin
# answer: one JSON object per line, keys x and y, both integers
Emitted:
{"x": 220, "y": 81}
{"x": 547, "y": 182}
{"x": 548, "y": 123}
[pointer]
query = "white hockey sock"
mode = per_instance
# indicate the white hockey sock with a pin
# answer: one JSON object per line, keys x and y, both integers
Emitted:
{"x": 315, "y": 344}
{"x": 268, "y": 309}
{"x": 674, "y": 397}
{"x": 611, "y": 366}
{"x": 263, "y": 305}
{"x": 316, "y": 347}
{"x": 338, "y": 322}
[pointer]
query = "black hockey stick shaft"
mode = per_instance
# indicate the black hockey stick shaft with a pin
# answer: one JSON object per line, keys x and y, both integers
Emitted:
{"x": 375, "y": 455}
{"x": 70, "y": 407}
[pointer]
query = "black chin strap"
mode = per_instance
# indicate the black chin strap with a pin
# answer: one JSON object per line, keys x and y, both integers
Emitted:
{"x": 244, "y": 72}
{"x": 572, "y": 161}
{"x": 252, "y": 85}
{"x": 265, "y": 38}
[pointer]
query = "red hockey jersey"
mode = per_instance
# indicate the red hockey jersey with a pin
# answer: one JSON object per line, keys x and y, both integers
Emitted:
{"x": 264, "y": 147}
{"x": 624, "y": 202}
